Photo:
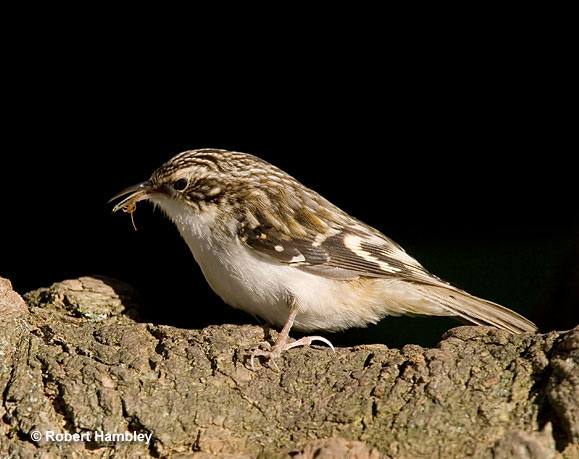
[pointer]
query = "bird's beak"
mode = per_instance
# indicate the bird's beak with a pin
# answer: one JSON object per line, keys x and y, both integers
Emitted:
{"x": 134, "y": 194}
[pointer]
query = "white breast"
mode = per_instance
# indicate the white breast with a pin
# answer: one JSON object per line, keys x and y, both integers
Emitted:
{"x": 264, "y": 287}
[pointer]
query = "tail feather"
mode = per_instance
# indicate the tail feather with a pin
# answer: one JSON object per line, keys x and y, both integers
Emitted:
{"x": 479, "y": 311}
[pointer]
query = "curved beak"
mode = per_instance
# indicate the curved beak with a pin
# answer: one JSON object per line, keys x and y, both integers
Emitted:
{"x": 134, "y": 194}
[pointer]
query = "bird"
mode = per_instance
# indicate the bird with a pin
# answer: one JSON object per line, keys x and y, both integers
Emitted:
{"x": 272, "y": 247}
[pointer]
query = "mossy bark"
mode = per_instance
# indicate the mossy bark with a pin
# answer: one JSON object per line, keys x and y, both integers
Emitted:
{"x": 74, "y": 358}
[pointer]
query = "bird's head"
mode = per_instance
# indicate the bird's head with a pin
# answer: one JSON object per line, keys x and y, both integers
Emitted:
{"x": 192, "y": 182}
{"x": 201, "y": 190}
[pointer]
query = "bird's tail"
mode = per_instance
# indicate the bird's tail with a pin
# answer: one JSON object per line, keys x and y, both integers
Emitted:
{"x": 476, "y": 310}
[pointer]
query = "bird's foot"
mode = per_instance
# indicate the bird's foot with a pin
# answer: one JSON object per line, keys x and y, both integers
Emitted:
{"x": 271, "y": 353}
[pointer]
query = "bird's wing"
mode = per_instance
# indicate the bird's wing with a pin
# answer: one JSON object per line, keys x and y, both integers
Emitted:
{"x": 357, "y": 250}
{"x": 346, "y": 253}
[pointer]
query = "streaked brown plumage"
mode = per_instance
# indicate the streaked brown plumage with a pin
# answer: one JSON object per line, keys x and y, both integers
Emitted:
{"x": 277, "y": 249}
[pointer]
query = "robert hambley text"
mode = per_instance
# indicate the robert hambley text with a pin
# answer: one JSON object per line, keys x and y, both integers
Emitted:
{"x": 98, "y": 436}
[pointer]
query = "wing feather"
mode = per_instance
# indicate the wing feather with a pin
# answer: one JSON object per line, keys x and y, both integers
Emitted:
{"x": 351, "y": 252}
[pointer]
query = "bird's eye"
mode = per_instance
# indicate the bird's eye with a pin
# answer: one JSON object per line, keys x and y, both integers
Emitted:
{"x": 180, "y": 185}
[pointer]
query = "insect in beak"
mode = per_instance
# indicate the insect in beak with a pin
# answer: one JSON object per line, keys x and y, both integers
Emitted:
{"x": 134, "y": 194}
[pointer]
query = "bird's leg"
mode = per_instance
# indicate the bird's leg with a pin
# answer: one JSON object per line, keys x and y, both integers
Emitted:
{"x": 281, "y": 343}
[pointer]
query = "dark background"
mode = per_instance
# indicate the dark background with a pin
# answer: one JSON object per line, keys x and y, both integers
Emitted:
{"x": 459, "y": 147}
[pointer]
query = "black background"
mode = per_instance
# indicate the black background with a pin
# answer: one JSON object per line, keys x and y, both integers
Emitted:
{"x": 459, "y": 147}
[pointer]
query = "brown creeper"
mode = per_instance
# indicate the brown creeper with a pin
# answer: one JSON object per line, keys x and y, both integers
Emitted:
{"x": 276, "y": 249}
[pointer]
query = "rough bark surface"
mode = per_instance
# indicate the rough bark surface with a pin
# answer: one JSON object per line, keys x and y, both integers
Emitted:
{"x": 75, "y": 359}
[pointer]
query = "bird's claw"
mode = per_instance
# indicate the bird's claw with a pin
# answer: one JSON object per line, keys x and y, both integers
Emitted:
{"x": 272, "y": 353}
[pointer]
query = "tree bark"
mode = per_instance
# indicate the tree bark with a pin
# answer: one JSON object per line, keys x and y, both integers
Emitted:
{"x": 75, "y": 359}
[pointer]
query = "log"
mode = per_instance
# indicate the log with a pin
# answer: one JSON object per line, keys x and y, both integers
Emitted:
{"x": 77, "y": 364}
